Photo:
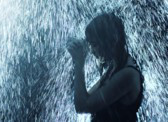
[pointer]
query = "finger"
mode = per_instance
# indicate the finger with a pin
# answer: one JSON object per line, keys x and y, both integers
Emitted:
{"x": 72, "y": 50}
{"x": 71, "y": 46}
{"x": 78, "y": 45}
{"x": 70, "y": 41}
{"x": 75, "y": 45}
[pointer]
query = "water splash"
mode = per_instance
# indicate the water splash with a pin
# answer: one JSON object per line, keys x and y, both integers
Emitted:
{"x": 36, "y": 70}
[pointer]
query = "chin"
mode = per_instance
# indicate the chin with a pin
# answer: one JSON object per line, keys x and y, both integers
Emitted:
{"x": 101, "y": 59}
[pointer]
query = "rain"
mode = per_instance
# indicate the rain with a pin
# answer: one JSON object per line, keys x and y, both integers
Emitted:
{"x": 36, "y": 70}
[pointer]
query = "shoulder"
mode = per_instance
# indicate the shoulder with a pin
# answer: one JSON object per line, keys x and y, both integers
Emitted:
{"x": 128, "y": 73}
{"x": 131, "y": 68}
{"x": 125, "y": 79}
{"x": 132, "y": 74}
{"x": 134, "y": 82}
{"x": 128, "y": 78}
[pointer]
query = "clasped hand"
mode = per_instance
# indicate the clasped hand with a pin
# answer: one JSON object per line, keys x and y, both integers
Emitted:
{"x": 76, "y": 49}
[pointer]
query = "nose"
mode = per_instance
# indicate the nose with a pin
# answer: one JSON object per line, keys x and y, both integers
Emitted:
{"x": 95, "y": 51}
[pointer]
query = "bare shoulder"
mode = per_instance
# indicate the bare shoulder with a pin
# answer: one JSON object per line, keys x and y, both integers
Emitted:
{"x": 128, "y": 73}
{"x": 135, "y": 84}
{"x": 132, "y": 72}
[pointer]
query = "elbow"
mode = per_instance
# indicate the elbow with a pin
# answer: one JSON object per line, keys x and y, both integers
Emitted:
{"x": 81, "y": 108}
{"x": 81, "y": 105}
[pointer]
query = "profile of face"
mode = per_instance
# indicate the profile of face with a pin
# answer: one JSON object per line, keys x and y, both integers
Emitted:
{"x": 95, "y": 48}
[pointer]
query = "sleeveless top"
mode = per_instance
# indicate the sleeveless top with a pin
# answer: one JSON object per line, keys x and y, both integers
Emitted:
{"x": 118, "y": 112}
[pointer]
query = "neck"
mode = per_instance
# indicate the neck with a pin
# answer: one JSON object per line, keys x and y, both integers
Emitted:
{"x": 122, "y": 62}
{"x": 125, "y": 58}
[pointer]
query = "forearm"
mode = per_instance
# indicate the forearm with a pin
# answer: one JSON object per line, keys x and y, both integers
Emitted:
{"x": 81, "y": 94}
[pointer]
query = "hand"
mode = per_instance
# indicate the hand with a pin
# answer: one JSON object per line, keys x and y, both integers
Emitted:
{"x": 76, "y": 49}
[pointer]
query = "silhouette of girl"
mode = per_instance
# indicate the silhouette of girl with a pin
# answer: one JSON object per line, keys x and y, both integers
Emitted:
{"x": 117, "y": 96}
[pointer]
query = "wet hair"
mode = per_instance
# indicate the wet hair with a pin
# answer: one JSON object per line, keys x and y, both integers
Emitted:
{"x": 107, "y": 32}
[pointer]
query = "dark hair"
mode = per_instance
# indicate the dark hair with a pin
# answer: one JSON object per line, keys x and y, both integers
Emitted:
{"x": 107, "y": 31}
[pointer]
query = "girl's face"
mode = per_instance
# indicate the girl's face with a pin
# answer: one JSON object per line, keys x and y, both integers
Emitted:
{"x": 95, "y": 49}
{"x": 93, "y": 45}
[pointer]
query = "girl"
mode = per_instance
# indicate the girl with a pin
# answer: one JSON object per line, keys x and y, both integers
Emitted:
{"x": 117, "y": 96}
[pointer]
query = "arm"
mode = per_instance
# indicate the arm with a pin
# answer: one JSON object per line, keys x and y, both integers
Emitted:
{"x": 94, "y": 88}
{"x": 103, "y": 77}
{"x": 96, "y": 85}
{"x": 117, "y": 87}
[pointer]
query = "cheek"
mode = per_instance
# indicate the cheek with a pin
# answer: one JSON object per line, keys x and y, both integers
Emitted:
{"x": 94, "y": 53}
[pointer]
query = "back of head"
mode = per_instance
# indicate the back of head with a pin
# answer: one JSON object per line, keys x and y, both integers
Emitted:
{"x": 107, "y": 31}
